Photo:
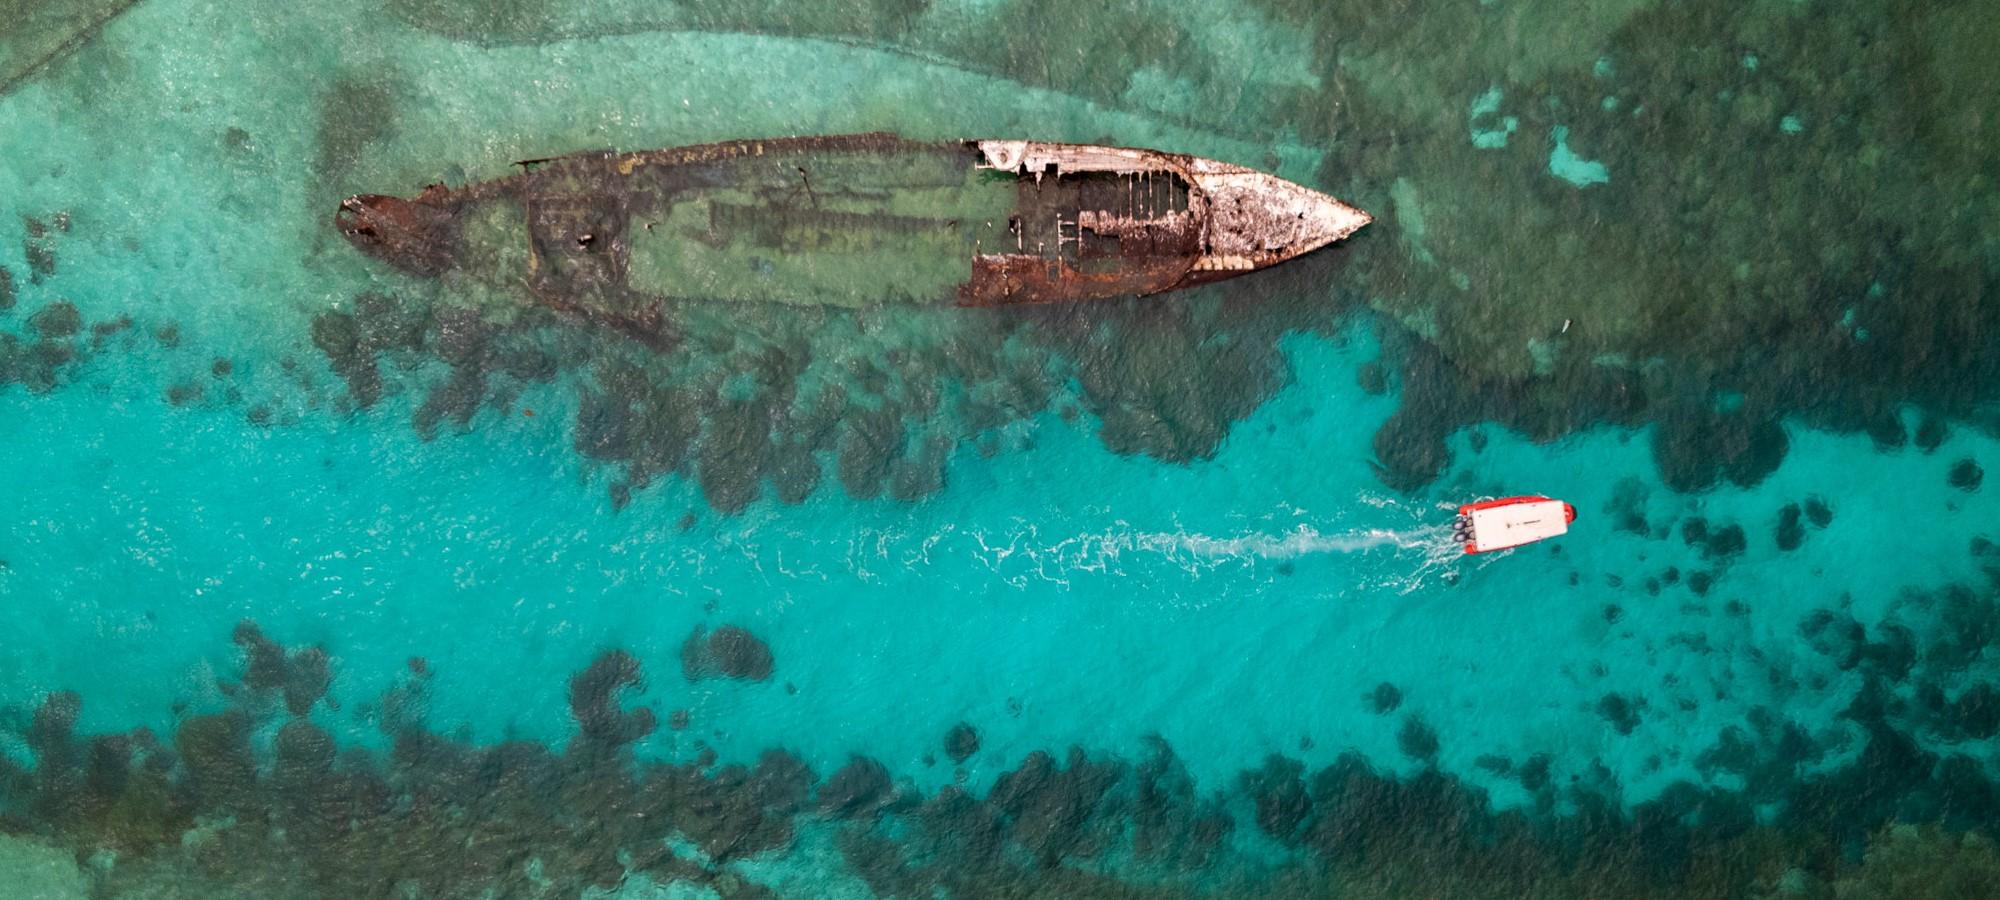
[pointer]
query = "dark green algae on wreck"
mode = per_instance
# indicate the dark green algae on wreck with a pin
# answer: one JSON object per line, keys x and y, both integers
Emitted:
{"x": 849, "y": 221}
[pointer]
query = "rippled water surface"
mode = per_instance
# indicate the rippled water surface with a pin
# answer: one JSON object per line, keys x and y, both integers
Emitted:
{"x": 320, "y": 579}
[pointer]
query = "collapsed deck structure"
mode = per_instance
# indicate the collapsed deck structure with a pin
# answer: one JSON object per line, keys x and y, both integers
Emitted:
{"x": 851, "y": 220}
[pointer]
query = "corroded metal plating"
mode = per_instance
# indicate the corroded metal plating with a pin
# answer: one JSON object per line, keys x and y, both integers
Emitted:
{"x": 852, "y": 220}
{"x": 1233, "y": 220}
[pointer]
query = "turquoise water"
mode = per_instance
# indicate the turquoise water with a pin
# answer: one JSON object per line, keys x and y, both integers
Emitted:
{"x": 1214, "y": 522}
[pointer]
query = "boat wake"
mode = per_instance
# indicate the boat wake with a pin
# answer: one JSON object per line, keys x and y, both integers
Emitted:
{"x": 1401, "y": 559}
{"x": 1408, "y": 557}
{"x": 1412, "y": 556}
{"x": 1301, "y": 541}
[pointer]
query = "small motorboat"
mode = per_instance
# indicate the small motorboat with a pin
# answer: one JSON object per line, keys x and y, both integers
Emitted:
{"x": 1509, "y": 522}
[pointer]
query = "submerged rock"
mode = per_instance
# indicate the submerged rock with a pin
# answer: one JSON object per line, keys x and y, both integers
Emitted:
{"x": 1697, "y": 450}
{"x": 1931, "y": 432}
{"x": 1887, "y": 432}
{"x": 732, "y": 456}
{"x": 1623, "y": 714}
{"x": 1279, "y": 789}
{"x": 221, "y": 769}
{"x": 922, "y": 474}
{"x": 1051, "y": 812}
{"x": 861, "y": 788}
{"x": 264, "y": 659}
{"x": 1627, "y": 506}
{"x": 1417, "y": 739}
{"x": 795, "y": 472}
{"x": 300, "y": 676}
{"x": 726, "y": 652}
{"x": 1385, "y": 698}
{"x": 1893, "y": 652}
{"x": 872, "y": 441}
{"x": 1372, "y": 378}
{"x": 1977, "y": 711}
{"x": 1837, "y": 637}
{"x": 593, "y": 701}
{"x": 1966, "y": 475}
{"x": 305, "y": 753}
{"x": 1534, "y": 774}
{"x": 1715, "y": 542}
{"x": 307, "y": 676}
{"x": 338, "y": 337}
{"x": 1170, "y": 824}
{"x": 1791, "y": 532}
{"x": 961, "y": 742}
{"x": 56, "y": 320}
{"x": 41, "y": 254}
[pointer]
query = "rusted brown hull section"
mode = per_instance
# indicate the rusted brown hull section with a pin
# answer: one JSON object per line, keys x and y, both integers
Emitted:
{"x": 852, "y": 220}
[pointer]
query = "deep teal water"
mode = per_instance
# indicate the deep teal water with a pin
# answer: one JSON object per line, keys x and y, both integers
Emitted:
{"x": 1053, "y": 592}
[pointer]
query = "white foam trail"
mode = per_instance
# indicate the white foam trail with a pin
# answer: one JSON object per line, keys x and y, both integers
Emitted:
{"x": 1429, "y": 550}
{"x": 1300, "y": 541}
{"x": 1406, "y": 557}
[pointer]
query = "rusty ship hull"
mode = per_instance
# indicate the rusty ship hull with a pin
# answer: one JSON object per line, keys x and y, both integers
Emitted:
{"x": 853, "y": 220}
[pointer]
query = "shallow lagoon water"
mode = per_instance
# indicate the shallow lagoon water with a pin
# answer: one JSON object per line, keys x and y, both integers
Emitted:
{"x": 1247, "y": 602}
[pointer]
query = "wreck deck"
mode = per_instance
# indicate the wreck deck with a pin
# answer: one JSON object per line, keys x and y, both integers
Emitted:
{"x": 854, "y": 220}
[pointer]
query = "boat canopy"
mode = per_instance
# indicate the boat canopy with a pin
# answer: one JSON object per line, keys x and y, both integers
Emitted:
{"x": 1510, "y": 524}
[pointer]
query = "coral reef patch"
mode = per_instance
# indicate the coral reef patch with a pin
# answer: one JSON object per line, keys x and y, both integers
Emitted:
{"x": 216, "y": 807}
{"x": 726, "y": 652}
{"x": 753, "y": 399}
{"x": 52, "y": 347}
{"x": 1694, "y": 292}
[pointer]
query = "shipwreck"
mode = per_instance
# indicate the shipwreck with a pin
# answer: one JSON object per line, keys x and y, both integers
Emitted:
{"x": 854, "y": 220}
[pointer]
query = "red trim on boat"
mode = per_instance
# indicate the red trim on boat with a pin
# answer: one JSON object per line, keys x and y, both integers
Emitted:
{"x": 1468, "y": 508}
{"x": 1467, "y": 540}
